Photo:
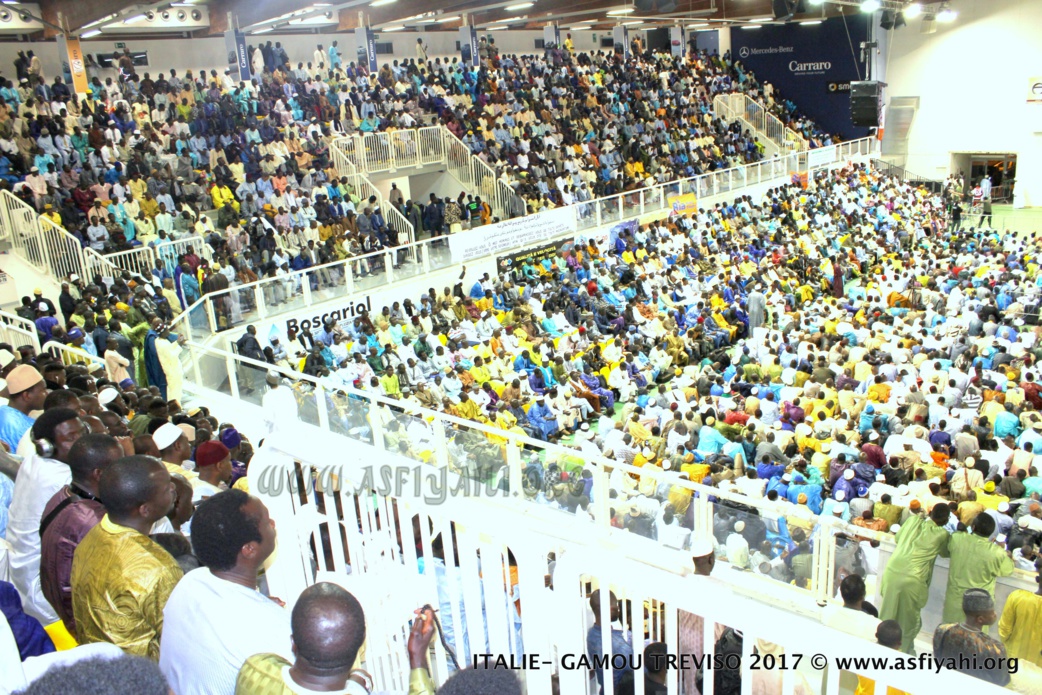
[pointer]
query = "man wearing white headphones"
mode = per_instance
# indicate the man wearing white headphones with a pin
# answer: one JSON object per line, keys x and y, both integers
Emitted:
{"x": 41, "y": 475}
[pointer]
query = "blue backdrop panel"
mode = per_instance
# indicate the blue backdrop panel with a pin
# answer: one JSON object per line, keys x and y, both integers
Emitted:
{"x": 811, "y": 65}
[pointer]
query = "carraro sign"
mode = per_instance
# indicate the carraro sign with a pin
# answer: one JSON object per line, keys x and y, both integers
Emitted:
{"x": 520, "y": 231}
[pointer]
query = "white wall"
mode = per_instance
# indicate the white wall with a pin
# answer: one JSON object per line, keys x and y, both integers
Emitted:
{"x": 193, "y": 54}
{"x": 972, "y": 77}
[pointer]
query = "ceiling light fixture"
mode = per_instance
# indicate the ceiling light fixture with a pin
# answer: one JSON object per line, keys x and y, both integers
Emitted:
{"x": 810, "y": 22}
{"x": 912, "y": 11}
{"x": 752, "y": 26}
{"x": 761, "y": 19}
{"x": 135, "y": 19}
{"x": 946, "y": 14}
{"x": 578, "y": 28}
{"x": 698, "y": 26}
{"x": 496, "y": 28}
{"x": 454, "y": 18}
{"x": 89, "y": 34}
{"x": 96, "y": 22}
{"x": 625, "y": 10}
{"x": 817, "y": 2}
{"x": 262, "y": 31}
{"x": 870, "y": 5}
{"x": 518, "y": 6}
{"x": 381, "y": 3}
{"x": 397, "y": 28}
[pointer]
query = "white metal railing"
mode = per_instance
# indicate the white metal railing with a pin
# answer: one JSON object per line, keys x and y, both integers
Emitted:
{"x": 419, "y": 147}
{"x": 763, "y": 121}
{"x": 393, "y": 149}
{"x": 142, "y": 259}
{"x": 16, "y": 331}
{"x": 137, "y": 260}
{"x": 722, "y": 106}
{"x": 365, "y": 189}
{"x": 38, "y": 241}
{"x": 71, "y": 355}
{"x": 396, "y": 541}
{"x": 476, "y": 175}
{"x": 300, "y": 289}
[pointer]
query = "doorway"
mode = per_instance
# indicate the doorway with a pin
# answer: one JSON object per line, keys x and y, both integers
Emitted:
{"x": 1001, "y": 168}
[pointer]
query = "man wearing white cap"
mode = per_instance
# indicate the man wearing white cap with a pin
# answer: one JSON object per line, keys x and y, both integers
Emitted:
{"x": 691, "y": 626}
{"x": 738, "y": 547}
{"x": 279, "y": 404}
{"x": 174, "y": 449}
{"x": 837, "y": 505}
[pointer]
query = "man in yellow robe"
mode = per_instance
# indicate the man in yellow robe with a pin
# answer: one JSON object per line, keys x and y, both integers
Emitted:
{"x": 121, "y": 578}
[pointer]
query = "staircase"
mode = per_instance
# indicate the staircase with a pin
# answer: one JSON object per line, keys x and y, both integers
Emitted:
{"x": 722, "y": 107}
{"x": 762, "y": 122}
{"x": 52, "y": 253}
{"x": 392, "y": 151}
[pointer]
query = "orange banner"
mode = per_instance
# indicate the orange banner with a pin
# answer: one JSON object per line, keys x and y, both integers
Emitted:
{"x": 77, "y": 67}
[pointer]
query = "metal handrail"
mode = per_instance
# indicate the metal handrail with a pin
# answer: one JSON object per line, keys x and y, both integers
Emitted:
{"x": 46, "y": 246}
{"x": 591, "y": 214}
{"x": 18, "y": 331}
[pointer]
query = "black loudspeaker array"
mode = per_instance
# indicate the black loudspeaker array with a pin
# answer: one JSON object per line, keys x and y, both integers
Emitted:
{"x": 866, "y": 103}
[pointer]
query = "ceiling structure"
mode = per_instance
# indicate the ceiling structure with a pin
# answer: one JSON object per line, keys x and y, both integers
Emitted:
{"x": 184, "y": 18}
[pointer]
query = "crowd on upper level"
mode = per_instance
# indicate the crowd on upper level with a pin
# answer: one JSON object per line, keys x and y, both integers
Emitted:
{"x": 141, "y": 157}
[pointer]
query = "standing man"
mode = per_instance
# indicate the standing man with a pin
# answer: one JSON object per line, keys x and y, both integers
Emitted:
{"x": 69, "y": 516}
{"x": 985, "y": 212}
{"x": 248, "y": 346}
{"x": 906, "y": 580}
{"x": 41, "y": 474}
{"x": 976, "y": 562}
{"x": 756, "y": 308}
{"x": 620, "y": 645}
{"x": 216, "y": 618}
{"x": 328, "y": 632}
{"x": 25, "y": 393}
{"x": 279, "y": 404}
{"x": 121, "y": 578}
{"x": 966, "y": 643}
{"x": 1020, "y": 628}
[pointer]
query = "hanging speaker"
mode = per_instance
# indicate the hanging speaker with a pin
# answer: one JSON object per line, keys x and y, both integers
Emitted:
{"x": 866, "y": 103}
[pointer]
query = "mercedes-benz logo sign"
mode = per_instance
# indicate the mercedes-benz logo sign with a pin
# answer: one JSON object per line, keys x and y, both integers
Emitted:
{"x": 744, "y": 52}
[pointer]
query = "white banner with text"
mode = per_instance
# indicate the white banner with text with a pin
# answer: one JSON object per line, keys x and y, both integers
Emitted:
{"x": 510, "y": 234}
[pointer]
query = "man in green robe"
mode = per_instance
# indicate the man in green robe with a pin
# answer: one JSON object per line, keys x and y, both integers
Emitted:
{"x": 906, "y": 579}
{"x": 976, "y": 563}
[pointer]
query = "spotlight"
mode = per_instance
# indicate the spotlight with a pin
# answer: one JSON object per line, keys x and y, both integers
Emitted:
{"x": 946, "y": 14}
{"x": 912, "y": 11}
{"x": 870, "y": 5}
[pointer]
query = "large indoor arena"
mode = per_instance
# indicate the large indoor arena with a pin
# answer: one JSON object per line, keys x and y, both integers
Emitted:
{"x": 393, "y": 347}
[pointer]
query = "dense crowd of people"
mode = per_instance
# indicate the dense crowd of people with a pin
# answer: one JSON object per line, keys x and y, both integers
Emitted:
{"x": 836, "y": 347}
{"x": 840, "y": 349}
{"x": 146, "y": 160}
